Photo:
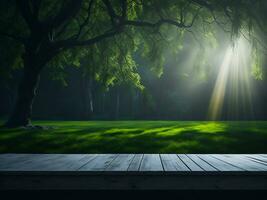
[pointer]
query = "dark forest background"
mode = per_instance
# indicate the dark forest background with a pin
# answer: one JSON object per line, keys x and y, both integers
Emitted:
{"x": 176, "y": 95}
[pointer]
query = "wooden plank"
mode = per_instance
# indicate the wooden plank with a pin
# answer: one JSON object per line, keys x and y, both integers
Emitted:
{"x": 8, "y": 156}
{"x": 6, "y": 160}
{"x": 120, "y": 163}
{"x": 257, "y": 158}
{"x": 131, "y": 162}
{"x": 251, "y": 161}
{"x": 151, "y": 162}
{"x": 50, "y": 162}
{"x": 190, "y": 163}
{"x": 72, "y": 162}
{"x": 99, "y": 163}
{"x": 264, "y": 155}
{"x": 171, "y": 162}
{"x": 204, "y": 165}
{"x": 256, "y": 161}
{"x": 219, "y": 164}
{"x": 32, "y": 162}
{"x": 136, "y": 162}
{"x": 241, "y": 163}
{"x": 63, "y": 162}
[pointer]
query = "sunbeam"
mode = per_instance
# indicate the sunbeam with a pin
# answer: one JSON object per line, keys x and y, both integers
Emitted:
{"x": 233, "y": 79}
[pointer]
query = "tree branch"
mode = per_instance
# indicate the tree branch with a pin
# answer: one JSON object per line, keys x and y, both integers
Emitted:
{"x": 85, "y": 22}
{"x": 71, "y": 43}
{"x": 67, "y": 12}
{"x": 123, "y": 9}
{"x": 118, "y": 28}
{"x": 159, "y": 23}
{"x": 203, "y": 3}
{"x": 111, "y": 12}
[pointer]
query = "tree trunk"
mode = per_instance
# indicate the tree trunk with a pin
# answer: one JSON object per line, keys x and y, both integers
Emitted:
{"x": 88, "y": 97}
{"x": 22, "y": 112}
{"x": 117, "y": 112}
{"x": 103, "y": 103}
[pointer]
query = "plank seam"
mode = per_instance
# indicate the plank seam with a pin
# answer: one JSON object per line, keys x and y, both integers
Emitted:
{"x": 117, "y": 155}
{"x": 208, "y": 163}
{"x": 194, "y": 162}
{"x": 183, "y": 162}
{"x": 141, "y": 162}
{"x": 160, "y": 158}
{"x": 228, "y": 163}
{"x": 257, "y": 160}
{"x": 131, "y": 162}
{"x": 86, "y": 163}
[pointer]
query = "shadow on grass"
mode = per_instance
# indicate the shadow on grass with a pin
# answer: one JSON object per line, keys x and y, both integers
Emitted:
{"x": 138, "y": 137}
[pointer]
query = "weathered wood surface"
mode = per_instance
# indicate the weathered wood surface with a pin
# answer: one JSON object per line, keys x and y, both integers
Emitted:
{"x": 133, "y": 171}
{"x": 133, "y": 162}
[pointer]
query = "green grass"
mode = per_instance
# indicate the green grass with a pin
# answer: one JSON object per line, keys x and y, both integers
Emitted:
{"x": 137, "y": 137}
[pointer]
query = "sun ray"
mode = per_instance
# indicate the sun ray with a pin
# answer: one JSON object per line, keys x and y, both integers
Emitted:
{"x": 234, "y": 79}
{"x": 219, "y": 89}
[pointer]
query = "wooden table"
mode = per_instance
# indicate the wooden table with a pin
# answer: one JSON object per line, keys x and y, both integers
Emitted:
{"x": 133, "y": 171}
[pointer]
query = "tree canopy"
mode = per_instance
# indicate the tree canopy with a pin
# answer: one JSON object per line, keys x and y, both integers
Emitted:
{"x": 104, "y": 36}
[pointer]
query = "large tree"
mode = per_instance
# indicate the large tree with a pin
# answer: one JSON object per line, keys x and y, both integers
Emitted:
{"x": 105, "y": 34}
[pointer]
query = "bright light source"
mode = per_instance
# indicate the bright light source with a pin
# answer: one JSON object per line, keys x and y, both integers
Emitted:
{"x": 233, "y": 77}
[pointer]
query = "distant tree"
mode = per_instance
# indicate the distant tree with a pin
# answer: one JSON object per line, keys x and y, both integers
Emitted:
{"x": 103, "y": 33}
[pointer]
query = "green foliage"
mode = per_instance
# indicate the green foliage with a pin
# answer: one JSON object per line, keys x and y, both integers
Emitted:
{"x": 257, "y": 70}
{"x": 111, "y": 61}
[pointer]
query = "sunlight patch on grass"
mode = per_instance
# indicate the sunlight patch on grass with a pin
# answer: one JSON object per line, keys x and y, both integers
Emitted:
{"x": 137, "y": 137}
{"x": 157, "y": 130}
{"x": 212, "y": 127}
{"x": 172, "y": 131}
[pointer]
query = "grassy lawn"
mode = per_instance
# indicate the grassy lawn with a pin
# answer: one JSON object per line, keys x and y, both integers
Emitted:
{"x": 137, "y": 137}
